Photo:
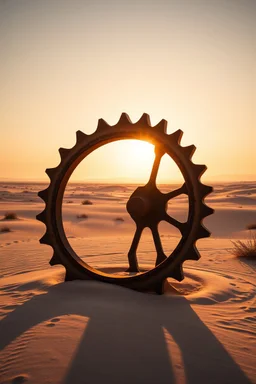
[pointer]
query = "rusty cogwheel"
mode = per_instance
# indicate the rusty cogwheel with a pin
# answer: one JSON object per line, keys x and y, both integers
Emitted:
{"x": 147, "y": 205}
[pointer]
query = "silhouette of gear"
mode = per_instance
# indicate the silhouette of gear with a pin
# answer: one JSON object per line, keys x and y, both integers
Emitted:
{"x": 147, "y": 205}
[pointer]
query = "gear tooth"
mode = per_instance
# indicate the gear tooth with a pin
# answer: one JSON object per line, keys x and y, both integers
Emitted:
{"x": 199, "y": 169}
{"x": 55, "y": 259}
{"x": 45, "y": 239}
{"x": 203, "y": 232}
{"x": 63, "y": 153}
{"x": 41, "y": 216}
{"x": 50, "y": 172}
{"x": 124, "y": 119}
{"x": 193, "y": 254}
{"x": 161, "y": 126}
{"x": 80, "y": 136}
{"x": 206, "y": 189}
{"x": 43, "y": 194}
{"x": 177, "y": 273}
{"x": 144, "y": 120}
{"x": 206, "y": 211}
{"x": 189, "y": 150}
{"x": 102, "y": 125}
{"x": 176, "y": 136}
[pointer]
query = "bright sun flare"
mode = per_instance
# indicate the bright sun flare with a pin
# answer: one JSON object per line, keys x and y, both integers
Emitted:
{"x": 141, "y": 151}
{"x": 136, "y": 158}
{"x": 125, "y": 161}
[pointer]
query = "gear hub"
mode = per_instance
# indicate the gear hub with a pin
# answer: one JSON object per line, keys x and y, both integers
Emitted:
{"x": 147, "y": 205}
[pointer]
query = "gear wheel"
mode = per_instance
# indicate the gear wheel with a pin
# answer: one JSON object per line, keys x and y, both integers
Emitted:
{"x": 147, "y": 205}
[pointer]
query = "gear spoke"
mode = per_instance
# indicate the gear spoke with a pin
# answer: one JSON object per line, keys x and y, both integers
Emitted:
{"x": 176, "y": 192}
{"x": 175, "y": 223}
{"x": 158, "y": 245}
{"x": 158, "y": 156}
{"x": 132, "y": 257}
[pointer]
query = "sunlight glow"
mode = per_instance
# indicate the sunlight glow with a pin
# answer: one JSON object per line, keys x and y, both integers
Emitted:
{"x": 141, "y": 155}
{"x": 123, "y": 161}
{"x": 176, "y": 358}
{"x": 191, "y": 63}
{"x": 129, "y": 160}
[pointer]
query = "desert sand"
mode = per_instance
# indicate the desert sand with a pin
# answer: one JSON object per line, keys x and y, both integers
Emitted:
{"x": 201, "y": 331}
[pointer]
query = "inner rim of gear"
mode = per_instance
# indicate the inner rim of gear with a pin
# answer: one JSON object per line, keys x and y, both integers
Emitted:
{"x": 139, "y": 205}
{"x": 144, "y": 196}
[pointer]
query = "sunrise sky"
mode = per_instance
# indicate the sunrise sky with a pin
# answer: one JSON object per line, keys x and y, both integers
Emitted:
{"x": 64, "y": 64}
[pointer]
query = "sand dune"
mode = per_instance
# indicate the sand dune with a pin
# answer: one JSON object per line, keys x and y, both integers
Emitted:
{"x": 201, "y": 331}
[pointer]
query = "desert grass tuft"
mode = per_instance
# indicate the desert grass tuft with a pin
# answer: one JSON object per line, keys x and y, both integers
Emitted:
{"x": 86, "y": 202}
{"x": 5, "y": 229}
{"x": 10, "y": 216}
{"x": 251, "y": 226}
{"x": 82, "y": 216}
{"x": 245, "y": 249}
{"x": 120, "y": 219}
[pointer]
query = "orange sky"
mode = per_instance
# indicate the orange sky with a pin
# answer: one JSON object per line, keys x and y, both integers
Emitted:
{"x": 64, "y": 64}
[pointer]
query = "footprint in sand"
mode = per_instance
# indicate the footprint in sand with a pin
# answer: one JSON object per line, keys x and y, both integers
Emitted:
{"x": 19, "y": 379}
{"x": 250, "y": 319}
{"x": 250, "y": 309}
{"x": 224, "y": 322}
{"x": 228, "y": 277}
{"x": 52, "y": 322}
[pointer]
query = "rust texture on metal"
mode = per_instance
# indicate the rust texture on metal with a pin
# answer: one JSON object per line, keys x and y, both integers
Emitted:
{"x": 147, "y": 205}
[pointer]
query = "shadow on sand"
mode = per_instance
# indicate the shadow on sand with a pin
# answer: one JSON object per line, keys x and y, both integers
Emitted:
{"x": 124, "y": 341}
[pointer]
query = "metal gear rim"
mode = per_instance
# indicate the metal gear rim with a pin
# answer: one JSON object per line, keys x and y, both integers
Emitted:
{"x": 52, "y": 217}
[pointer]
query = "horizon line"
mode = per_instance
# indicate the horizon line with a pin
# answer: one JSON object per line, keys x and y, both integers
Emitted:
{"x": 250, "y": 178}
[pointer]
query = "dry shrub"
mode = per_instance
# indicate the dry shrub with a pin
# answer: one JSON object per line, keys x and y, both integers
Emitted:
{"x": 5, "y": 229}
{"x": 10, "y": 216}
{"x": 120, "y": 219}
{"x": 251, "y": 226}
{"x": 86, "y": 202}
{"x": 82, "y": 216}
{"x": 245, "y": 249}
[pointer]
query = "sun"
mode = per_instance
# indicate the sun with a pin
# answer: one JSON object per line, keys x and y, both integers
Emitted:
{"x": 141, "y": 151}
{"x": 128, "y": 161}
{"x": 137, "y": 158}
